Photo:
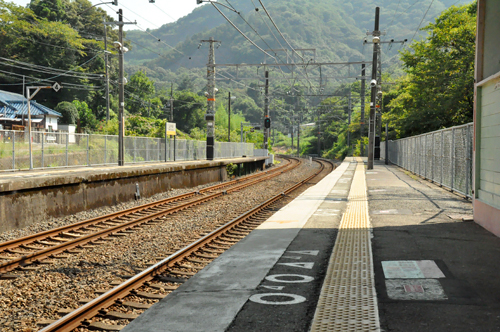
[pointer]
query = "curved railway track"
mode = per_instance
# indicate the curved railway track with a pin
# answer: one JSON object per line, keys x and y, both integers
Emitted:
{"x": 111, "y": 310}
{"x": 73, "y": 238}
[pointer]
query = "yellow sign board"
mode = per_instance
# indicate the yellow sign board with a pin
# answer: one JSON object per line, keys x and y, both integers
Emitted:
{"x": 171, "y": 129}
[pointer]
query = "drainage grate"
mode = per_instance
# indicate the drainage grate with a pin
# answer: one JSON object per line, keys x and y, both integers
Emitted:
{"x": 348, "y": 300}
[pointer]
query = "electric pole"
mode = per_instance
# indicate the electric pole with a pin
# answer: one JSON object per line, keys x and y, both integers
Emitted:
{"x": 373, "y": 85}
{"x": 362, "y": 121}
{"x": 349, "y": 122}
{"x": 266, "y": 111}
{"x": 319, "y": 134}
{"x": 171, "y": 102}
{"x": 107, "y": 70}
{"x": 229, "y": 117}
{"x": 121, "y": 82}
{"x": 210, "y": 94}
{"x": 121, "y": 96}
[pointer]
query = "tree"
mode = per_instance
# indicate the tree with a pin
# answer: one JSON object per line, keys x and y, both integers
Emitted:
{"x": 87, "y": 121}
{"x": 69, "y": 112}
{"x": 141, "y": 94}
{"x": 438, "y": 91}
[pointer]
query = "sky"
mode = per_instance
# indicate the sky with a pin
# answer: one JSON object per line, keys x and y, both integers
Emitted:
{"x": 147, "y": 15}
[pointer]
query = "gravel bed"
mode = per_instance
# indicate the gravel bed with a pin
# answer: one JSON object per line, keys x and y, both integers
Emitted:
{"x": 39, "y": 294}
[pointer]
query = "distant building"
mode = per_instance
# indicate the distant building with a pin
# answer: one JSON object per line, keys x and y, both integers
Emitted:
{"x": 14, "y": 113}
{"x": 487, "y": 117}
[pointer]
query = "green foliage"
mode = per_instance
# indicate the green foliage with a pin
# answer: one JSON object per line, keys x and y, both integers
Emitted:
{"x": 438, "y": 91}
{"x": 69, "y": 112}
{"x": 188, "y": 110}
{"x": 87, "y": 121}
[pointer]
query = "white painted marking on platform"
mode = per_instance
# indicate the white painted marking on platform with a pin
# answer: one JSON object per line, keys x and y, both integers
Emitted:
{"x": 274, "y": 287}
{"x": 431, "y": 289}
{"x": 401, "y": 269}
{"x": 305, "y": 252}
{"x": 305, "y": 265}
{"x": 292, "y": 257}
{"x": 295, "y": 299}
{"x": 411, "y": 269}
{"x": 371, "y": 172}
{"x": 430, "y": 269}
{"x": 276, "y": 278}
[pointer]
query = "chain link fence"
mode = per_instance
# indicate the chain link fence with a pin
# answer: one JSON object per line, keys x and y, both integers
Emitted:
{"x": 67, "y": 149}
{"x": 443, "y": 156}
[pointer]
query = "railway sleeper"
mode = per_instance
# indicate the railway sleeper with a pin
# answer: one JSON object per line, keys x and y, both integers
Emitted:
{"x": 148, "y": 295}
{"x": 181, "y": 273}
{"x": 160, "y": 286}
{"x": 105, "y": 327}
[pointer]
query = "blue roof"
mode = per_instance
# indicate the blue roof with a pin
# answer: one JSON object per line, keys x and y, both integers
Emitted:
{"x": 18, "y": 106}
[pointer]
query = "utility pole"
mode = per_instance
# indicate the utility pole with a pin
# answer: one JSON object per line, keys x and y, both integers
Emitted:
{"x": 171, "y": 102}
{"x": 362, "y": 121}
{"x": 373, "y": 85}
{"x": 319, "y": 133}
{"x": 107, "y": 70}
{"x": 298, "y": 135}
{"x": 229, "y": 117}
{"x": 210, "y": 94}
{"x": 266, "y": 111}
{"x": 387, "y": 144}
{"x": 121, "y": 97}
{"x": 121, "y": 82}
{"x": 349, "y": 122}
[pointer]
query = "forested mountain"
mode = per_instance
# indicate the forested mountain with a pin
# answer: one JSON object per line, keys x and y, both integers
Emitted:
{"x": 336, "y": 28}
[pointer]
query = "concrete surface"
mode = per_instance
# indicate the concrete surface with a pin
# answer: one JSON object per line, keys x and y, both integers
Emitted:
{"x": 465, "y": 253}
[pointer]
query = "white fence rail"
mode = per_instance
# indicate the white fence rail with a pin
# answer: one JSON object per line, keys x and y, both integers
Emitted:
{"x": 443, "y": 156}
{"x": 66, "y": 150}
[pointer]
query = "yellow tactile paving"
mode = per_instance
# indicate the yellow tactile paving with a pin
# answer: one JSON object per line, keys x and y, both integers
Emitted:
{"x": 348, "y": 301}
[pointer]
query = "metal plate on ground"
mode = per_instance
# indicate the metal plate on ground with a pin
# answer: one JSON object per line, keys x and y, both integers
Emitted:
{"x": 411, "y": 269}
{"x": 411, "y": 289}
{"x": 392, "y": 211}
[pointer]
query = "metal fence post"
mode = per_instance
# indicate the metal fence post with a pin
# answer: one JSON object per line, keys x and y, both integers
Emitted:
{"x": 135, "y": 148}
{"x": 43, "y": 140}
{"x": 452, "y": 153}
{"x": 442, "y": 157}
{"x": 425, "y": 156}
{"x": 467, "y": 161}
{"x": 88, "y": 149}
{"x": 105, "y": 149}
{"x": 67, "y": 149}
{"x": 166, "y": 149}
{"x": 13, "y": 149}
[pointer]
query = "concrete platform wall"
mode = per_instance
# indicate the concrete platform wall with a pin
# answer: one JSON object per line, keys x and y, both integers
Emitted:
{"x": 29, "y": 197}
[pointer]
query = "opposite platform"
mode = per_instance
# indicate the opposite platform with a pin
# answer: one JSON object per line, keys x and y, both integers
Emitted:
{"x": 27, "y": 195}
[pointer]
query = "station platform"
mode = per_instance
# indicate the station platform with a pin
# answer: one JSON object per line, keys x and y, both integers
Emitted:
{"x": 56, "y": 192}
{"x": 378, "y": 250}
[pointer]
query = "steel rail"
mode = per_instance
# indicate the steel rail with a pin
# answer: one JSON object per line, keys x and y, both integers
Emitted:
{"x": 78, "y": 242}
{"x": 86, "y": 223}
{"x": 92, "y": 308}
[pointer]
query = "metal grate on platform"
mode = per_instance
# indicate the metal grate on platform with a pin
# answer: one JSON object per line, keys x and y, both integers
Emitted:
{"x": 348, "y": 300}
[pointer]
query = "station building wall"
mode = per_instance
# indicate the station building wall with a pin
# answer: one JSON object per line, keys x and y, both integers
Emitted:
{"x": 487, "y": 118}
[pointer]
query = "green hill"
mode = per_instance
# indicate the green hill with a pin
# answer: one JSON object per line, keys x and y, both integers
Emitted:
{"x": 335, "y": 28}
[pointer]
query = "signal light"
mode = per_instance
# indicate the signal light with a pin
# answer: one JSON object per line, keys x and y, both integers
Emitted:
{"x": 267, "y": 123}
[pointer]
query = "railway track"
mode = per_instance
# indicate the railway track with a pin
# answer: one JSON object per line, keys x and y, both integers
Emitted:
{"x": 116, "y": 307}
{"x": 59, "y": 242}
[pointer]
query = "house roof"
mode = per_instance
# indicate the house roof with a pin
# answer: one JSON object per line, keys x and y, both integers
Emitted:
{"x": 13, "y": 105}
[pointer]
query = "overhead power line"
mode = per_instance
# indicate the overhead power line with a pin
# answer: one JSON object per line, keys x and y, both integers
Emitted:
{"x": 234, "y": 26}
{"x": 422, "y": 19}
{"x": 268, "y": 15}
